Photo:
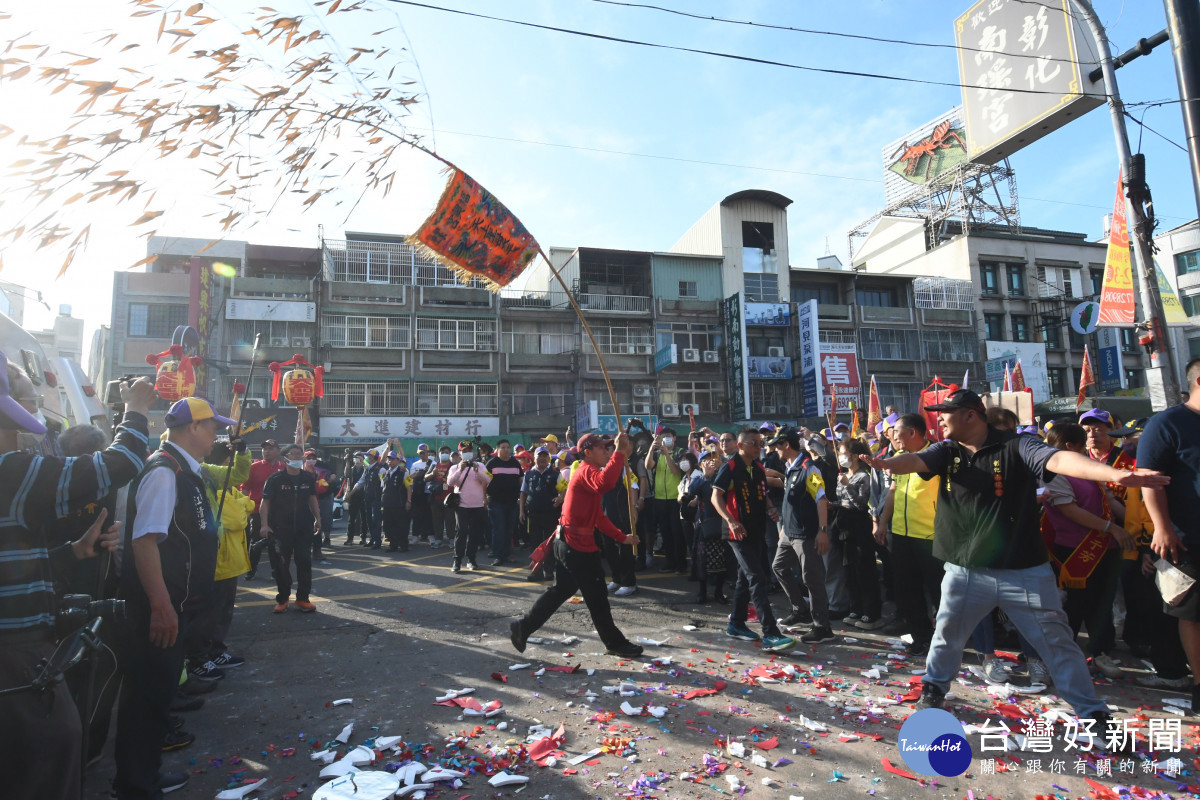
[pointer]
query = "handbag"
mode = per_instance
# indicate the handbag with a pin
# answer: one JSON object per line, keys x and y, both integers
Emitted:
{"x": 454, "y": 499}
{"x": 712, "y": 529}
{"x": 1173, "y": 583}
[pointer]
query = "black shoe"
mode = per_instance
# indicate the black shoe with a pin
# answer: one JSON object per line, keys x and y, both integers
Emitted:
{"x": 184, "y": 702}
{"x": 376, "y": 546}
{"x": 207, "y": 670}
{"x": 896, "y": 627}
{"x": 702, "y": 598}
{"x": 392, "y": 548}
{"x": 682, "y": 569}
{"x": 627, "y": 650}
{"x": 720, "y": 597}
{"x": 534, "y": 577}
{"x": 932, "y": 697}
{"x": 350, "y": 542}
{"x": 516, "y": 636}
{"x": 917, "y": 649}
{"x": 176, "y": 722}
{"x": 499, "y": 562}
{"x": 250, "y": 575}
{"x": 197, "y": 685}
{"x": 795, "y": 619}
{"x": 457, "y": 567}
{"x": 818, "y": 635}
{"x": 177, "y": 740}
{"x": 171, "y": 781}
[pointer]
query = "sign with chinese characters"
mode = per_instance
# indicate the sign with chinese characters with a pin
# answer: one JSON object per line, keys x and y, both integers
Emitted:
{"x": 813, "y": 404}
{"x": 268, "y": 310}
{"x": 587, "y": 417}
{"x": 1110, "y": 369}
{"x": 359, "y": 430}
{"x": 739, "y": 377}
{"x": 769, "y": 314}
{"x": 1116, "y": 293}
{"x": 1024, "y": 69}
{"x": 279, "y": 424}
{"x": 839, "y": 365}
{"x": 200, "y": 315}
{"x": 763, "y": 368}
{"x": 666, "y": 357}
{"x": 607, "y": 423}
{"x": 1033, "y": 364}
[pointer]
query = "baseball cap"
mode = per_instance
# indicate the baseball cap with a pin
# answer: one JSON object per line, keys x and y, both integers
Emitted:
{"x": 466, "y": 444}
{"x": 962, "y": 398}
{"x": 1132, "y": 429}
{"x": 786, "y": 434}
{"x": 1097, "y": 414}
{"x": 273, "y": 443}
{"x": 519, "y": 448}
{"x": 193, "y": 409}
{"x": 767, "y": 426}
{"x": 392, "y": 454}
{"x": 590, "y": 440}
{"x": 10, "y": 408}
{"x": 542, "y": 449}
{"x": 421, "y": 448}
{"x": 841, "y": 426}
{"x": 550, "y": 438}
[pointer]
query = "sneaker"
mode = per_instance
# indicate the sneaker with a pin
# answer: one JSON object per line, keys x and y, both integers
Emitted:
{"x": 931, "y": 697}
{"x": 818, "y": 635}
{"x": 176, "y": 722}
{"x": 498, "y": 562}
{"x": 866, "y": 623}
{"x": 851, "y": 618}
{"x": 994, "y": 671}
{"x": 516, "y": 636}
{"x": 625, "y": 591}
{"x": 1039, "y": 673}
{"x": 305, "y": 607}
{"x": 741, "y": 632}
{"x": 613, "y": 586}
{"x": 471, "y": 566}
{"x": 279, "y": 608}
{"x": 796, "y": 619}
{"x": 208, "y": 670}
{"x": 1155, "y": 681}
{"x": 324, "y": 562}
{"x": 1106, "y": 666}
{"x": 195, "y": 685}
{"x": 917, "y": 649}
{"x": 228, "y": 660}
{"x": 777, "y": 643}
{"x": 182, "y": 701}
{"x": 250, "y": 575}
{"x": 456, "y": 567}
{"x": 435, "y": 543}
{"x": 171, "y": 781}
{"x": 177, "y": 740}
{"x": 627, "y": 650}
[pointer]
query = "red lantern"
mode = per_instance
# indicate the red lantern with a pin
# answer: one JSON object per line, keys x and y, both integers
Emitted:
{"x": 175, "y": 373}
{"x": 301, "y": 385}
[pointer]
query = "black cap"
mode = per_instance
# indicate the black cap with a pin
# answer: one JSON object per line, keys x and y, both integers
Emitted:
{"x": 963, "y": 398}
{"x": 1132, "y": 429}
{"x": 787, "y": 434}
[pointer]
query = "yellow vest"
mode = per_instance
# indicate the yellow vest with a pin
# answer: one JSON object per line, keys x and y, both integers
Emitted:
{"x": 915, "y": 505}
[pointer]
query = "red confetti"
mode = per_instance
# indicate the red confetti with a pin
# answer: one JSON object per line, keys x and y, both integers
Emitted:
{"x": 768, "y": 744}
{"x": 500, "y": 676}
{"x": 897, "y": 771}
{"x": 568, "y": 669}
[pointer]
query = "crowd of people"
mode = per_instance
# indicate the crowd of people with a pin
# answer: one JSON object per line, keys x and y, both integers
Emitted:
{"x": 980, "y": 532}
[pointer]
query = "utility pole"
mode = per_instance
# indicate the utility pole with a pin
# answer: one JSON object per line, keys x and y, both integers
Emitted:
{"x": 1133, "y": 173}
{"x": 1183, "y": 26}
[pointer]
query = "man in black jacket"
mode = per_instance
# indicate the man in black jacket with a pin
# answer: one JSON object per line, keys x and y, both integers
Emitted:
{"x": 355, "y": 517}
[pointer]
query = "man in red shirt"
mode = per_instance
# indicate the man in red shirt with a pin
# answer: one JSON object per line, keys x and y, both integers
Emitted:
{"x": 253, "y": 488}
{"x": 579, "y": 566}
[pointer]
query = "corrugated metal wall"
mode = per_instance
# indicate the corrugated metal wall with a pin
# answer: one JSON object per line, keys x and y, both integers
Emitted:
{"x": 704, "y": 237}
{"x": 668, "y": 271}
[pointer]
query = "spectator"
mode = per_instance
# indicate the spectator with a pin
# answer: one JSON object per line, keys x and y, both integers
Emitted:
{"x": 853, "y": 530}
{"x": 328, "y": 484}
{"x": 352, "y": 496}
{"x": 662, "y": 463}
{"x": 371, "y": 484}
{"x": 422, "y": 521}
{"x": 260, "y": 470}
{"x": 444, "y": 526}
{"x": 540, "y": 501}
{"x": 396, "y": 502}
{"x": 469, "y": 480}
{"x": 503, "y": 500}
{"x": 711, "y": 557}
{"x": 291, "y": 517}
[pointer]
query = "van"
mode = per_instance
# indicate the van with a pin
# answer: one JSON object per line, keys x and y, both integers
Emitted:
{"x": 80, "y": 402}
{"x": 22, "y": 349}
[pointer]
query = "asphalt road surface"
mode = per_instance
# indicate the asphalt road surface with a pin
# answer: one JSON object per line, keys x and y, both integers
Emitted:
{"x": 393, "y": 631}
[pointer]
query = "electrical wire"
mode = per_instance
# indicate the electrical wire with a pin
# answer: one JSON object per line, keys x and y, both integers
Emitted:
{"x": 1146, "y": 127}
{"x": 715, "y": 53}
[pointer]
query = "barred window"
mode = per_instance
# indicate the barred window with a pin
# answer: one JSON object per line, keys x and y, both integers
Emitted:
{"x": 769, "y": 398}
{"x": 275, "y": 333}
{"x": 449, "y": 399}
{"x": 622, "y": 341}
{"x": 156, "y": 320}
{"x": 950, "y": 345}
{"x": 703, "y": 394}
{"x": 888, "y": 344}
{"x": 365, "y": 398}
{"x": 456, "y": 334}
{"x": 352, "y": 330}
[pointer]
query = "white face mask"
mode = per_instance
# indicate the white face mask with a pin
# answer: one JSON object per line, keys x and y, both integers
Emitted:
{"x": 686, "y": 466}
{"x": 668, "y": 442}
{"x": 296, "y": 463}
{"x": 443, "y": 456}
{"x": 468, "y": 456}
{"x": 844, "y": 461}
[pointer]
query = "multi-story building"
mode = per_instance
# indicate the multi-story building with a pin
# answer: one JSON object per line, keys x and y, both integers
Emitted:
{"x": 64, "y": 338}
{"x": 1179, "y": 256}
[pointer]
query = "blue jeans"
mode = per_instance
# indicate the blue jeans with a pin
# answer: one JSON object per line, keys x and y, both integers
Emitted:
{"x": 375, "y": 520}
{"x": 504, "y": 525}
{"x": 1030, "y": 599}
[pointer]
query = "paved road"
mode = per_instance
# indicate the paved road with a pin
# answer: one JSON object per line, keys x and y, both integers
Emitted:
{"x": 392, "y": 633}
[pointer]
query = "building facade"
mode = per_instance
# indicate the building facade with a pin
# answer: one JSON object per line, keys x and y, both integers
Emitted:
{"x": 1179, "y": 258}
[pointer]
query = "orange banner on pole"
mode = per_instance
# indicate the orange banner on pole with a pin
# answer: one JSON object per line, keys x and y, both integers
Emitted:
{"x": 1018, "y": 378}
{"x": 1086, "y": 378}
{"x": 1116, "y": 295}
{"x": 472, "y": 233}
{"x": 874, "y": 408}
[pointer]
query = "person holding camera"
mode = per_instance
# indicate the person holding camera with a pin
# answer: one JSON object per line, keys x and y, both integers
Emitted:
{"x": 662, "y": 464}
{"x": 468, "y": 481}
{"x": 41, "y": 736}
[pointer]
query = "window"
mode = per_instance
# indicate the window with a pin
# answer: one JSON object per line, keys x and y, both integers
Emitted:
{"x": 904, "y": 395}
{"x": 989, "y": 277}
{"x": 836, "y": 335}
{"x": 383, "y": 262}
{"x": 889, "y": 344}
{"x": 761, "y": 287}
{"x": 1187, "y": 262}
{"x": 365, "y": 398}
{"x": 1077, "y": 341}
{"x": 824, "y": 293}
{"x": 876, "y": 296}
{"x": 950, "y": 345}
{"x": 1191, "y": 304}
{"x": 1193, "y": 348}
{"x": 758, "y": 248}
{"x": 1052, "y": 335}
{"x": 544, "y": 338}
{"x": 993, "y": 327}
{"x": 1058, "y": 381}
{"x": 621, "y": 341}
{"x": 1020, "y": 328}
{"x": 156, "y": 320}
{"x": 688, "y": 289}
{"x": 1129, "y": 340}
{"x": 1097, "y": 279}
{"x": 761, "y": 346}
{"x": 625, "y": 398}
{"x": 687, "y": 336}
{"x": 456, "y": 334}
{"x": 447, "y": 399}
{"x": 352, "y": 330}
{"x": 539, "y": 399}
{"x": 1016, "y": 279}
{"x": 275, "y": 333}
{"x": 703, "y": 394}
{"x": 1135, "y": 378}
{"x": 770, "y": 398}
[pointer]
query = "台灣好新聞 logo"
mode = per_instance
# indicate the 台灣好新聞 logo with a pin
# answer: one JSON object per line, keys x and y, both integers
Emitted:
{"x": 932, "y": 742}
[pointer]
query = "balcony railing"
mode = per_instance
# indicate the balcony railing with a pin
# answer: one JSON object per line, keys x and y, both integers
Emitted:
{"x": 547, "y": 344}
{"x": 538, "y": 404}
{"x": 614, "y": 302}
{"x": 529, "y": 299}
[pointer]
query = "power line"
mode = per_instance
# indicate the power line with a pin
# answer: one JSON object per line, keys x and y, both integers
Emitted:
{"x": 1146, "y": 127}
{"x": 715, "y": 53}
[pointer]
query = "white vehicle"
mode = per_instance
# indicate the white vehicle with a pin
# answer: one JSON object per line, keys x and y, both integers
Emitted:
{"x": 19, "y": 346}
{"x": 80, "y": 402}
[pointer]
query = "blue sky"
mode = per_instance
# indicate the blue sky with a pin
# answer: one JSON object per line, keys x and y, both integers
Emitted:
{"x": 495, "y": 91}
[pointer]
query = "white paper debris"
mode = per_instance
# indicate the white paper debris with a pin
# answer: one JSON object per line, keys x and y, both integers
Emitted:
{"x": 241, "y": 791}
{"x": 590, "y": 754}
{"x": 651, "y": 642}
{"x": 453, "y": 693}
{"x": 345, "y": 701}
{"x": 508, "y": 779}
{"x": 515, "y": 667}
{"x": 737, "y": 749}
{"x": 344, "y": 736}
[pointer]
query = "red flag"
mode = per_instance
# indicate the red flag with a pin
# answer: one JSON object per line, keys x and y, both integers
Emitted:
{"x": 1116, "y": 293}
{"x": 874, "y": 408}
{"x": 1007, "y": 386}
{"x": 1018, "y": 378}
{"x": 472, "y": 233}
{"x": 854, "y": 427}
{"x": 1086, "y": 378}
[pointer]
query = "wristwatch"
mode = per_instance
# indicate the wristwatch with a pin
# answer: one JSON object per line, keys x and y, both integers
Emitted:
{"x": 823, "y": 529}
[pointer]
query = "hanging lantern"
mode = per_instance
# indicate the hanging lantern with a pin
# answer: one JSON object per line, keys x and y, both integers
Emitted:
{"x": 301, "y": 385}
{"x": 175, "y": 373}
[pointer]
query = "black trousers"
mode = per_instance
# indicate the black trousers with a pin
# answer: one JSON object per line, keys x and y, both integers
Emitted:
{"x": 395, "y": 527}
{"x": 144, "y": 712}
{"x": 582, "y": 572}
{"x": 668, "y": 523}
{"x": 1093, "y": 604}
{"x": 862, "y": 576}
{"x": 298, "y": 545}
{"x": 356, "y": 519}
{"x": 541, "y": 528}
{"x": 259, "y": 543}
{"x": 40, "y": 733}
{"x": 473, "y": 527}
{"x": 444, "y": 525}
{"x": 752, "y": 582}
{"x": 422, "y": 517}
{"x": 918, "y": 584}
{"x": 620, "y": 560}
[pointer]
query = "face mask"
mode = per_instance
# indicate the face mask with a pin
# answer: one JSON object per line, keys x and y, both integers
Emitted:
{"x": 295, "y": 464}
{"x": 309, "y": 463}
{"x": 844, "y": 461}
{"x": 686, "y": 466}
{"x": 668, "y": 442}
{"x": 468, "y": 456}
{"x": 443, "y": 457}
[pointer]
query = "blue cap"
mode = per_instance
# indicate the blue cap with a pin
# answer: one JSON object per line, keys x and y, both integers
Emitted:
{"x": 421, "y": 448}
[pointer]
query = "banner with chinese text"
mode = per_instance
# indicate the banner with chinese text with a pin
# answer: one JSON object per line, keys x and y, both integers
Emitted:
{"x": 1116, "y": 295}
{"x": 341, "y": 429}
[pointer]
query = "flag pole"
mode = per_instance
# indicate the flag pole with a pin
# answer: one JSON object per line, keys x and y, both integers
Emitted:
{"x": 238, "y": 429}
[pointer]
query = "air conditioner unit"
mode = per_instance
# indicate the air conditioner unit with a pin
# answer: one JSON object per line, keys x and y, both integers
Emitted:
{"x": 641, "y": 390}
{"x": 691, "y": 408}
{"x": 712, "y": 357}
{"x": 426, "y": 408}
{"x": 645, "y": 349}
{"x": 279, "y": 341}
{"x": 768, "y": 409}
{"x": 670, "y": 409}
{"x": 301, "y": 341}
{"x": 775, "y": 352}
{"x": 783, "y": 410}
{"x": 254, "y": 402}
{"x": 691, "y": 355}
{"x": 641, "y": 408}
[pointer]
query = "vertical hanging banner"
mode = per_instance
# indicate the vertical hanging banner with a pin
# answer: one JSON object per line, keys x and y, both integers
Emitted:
{"x": 874, "y": 409}
{"x": 810, "y": 366}
{"x": 739, "y": 377}
{"x": 1173, "y": 313}
{"x": 472, "y": 233}
{"x": 1086, "y": 378}
{"x": 1018, "y": 378}
{"x": 1116, "y": 295}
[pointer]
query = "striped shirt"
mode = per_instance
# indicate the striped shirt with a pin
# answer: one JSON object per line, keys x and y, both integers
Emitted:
{"x": 34, "y": 492}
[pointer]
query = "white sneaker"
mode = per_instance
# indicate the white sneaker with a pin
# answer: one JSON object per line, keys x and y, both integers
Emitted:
{"x": 625, "y": 591}
{"x": 995, "y": 671}
{"x": 613, "y": 586}
{"x": 1106, "y": 666}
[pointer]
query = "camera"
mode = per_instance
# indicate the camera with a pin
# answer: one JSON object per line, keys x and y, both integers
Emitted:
{"x": 112, "y": 389}
{"x": 76, "y": 610}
